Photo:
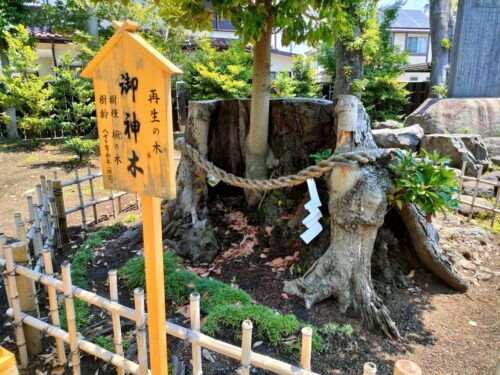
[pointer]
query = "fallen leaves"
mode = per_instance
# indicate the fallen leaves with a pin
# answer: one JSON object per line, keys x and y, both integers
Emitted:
{"x": 238, "y": 221}
{"x": 280, "y": 264}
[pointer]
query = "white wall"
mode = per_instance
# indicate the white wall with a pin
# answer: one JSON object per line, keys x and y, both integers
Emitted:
{"x": 280, "y": 62}
{"x": 45, "y": 60}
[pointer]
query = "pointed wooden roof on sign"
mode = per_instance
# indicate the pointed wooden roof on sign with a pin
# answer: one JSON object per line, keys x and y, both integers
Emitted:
{"x": 127, "y": 30}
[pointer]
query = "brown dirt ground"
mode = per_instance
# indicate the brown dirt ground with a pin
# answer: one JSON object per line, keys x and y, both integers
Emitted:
{"x": 434, "y": 321}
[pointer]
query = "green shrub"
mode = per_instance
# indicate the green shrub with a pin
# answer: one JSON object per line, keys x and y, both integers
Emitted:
{"x": 212, "y": 74}
{"x": 283, "y": 86}
{"x": 107, "y": 342}
{"x": 83, "y": 148}
{"x": 222, "y": 304}
{"x": 424, "y": 179}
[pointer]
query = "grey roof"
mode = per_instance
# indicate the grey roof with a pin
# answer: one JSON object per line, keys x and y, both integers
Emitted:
{"x": 411, "y": 19}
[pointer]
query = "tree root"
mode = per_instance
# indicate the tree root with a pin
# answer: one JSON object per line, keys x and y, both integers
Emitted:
{"x": 425, "y": 240}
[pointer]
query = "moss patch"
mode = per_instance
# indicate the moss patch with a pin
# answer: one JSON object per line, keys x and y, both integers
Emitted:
{"x": 223, "y": 305}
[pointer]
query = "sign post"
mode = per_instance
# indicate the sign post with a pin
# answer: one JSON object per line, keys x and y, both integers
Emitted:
{"x": 134, "y": 117}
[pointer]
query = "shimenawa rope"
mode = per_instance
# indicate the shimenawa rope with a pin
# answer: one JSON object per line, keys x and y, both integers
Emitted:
{"x": 313, "y": 171}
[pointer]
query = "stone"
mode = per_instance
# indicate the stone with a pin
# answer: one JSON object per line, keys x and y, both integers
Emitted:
{"x": 492, "y": 145}
{"x": 483, "y": 276}
{"x": 458, "y": 115}
{"x": 474, "y": 68}
{"x": 496, "y": 160}
{"x": 465, "y": 264}
{"x": 404, "y": 138}
{"x": 461, "y": 148}
{"x": 387, "y": 124}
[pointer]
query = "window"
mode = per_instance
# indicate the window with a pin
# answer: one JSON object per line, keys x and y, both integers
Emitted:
{"x": 417, "y": 45}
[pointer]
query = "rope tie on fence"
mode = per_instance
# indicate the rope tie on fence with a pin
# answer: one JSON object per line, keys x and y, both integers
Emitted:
{"x": 313, "y": 171}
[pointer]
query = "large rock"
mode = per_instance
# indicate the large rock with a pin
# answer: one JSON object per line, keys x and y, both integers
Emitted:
{"x": 387, "y": 124}
{"x": 458, "y": 115}
{"x": 468, "y": 148}
{"x": 404, "y": 138}
{"x": 492, "y": 145}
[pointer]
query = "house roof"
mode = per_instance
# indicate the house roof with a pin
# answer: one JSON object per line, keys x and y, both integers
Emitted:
{"x": 127, "y": 30}
{"x": 411, "y": 19}
{"x": 46, "y": 34}
{"x": 222, "y": 44}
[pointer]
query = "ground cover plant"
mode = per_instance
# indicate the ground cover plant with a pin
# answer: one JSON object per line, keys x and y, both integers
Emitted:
{"x": 224, "y": 306}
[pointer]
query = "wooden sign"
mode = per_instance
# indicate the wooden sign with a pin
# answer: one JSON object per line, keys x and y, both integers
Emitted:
{"x": 134, "y": 114}
{"x": 134, "y": 117}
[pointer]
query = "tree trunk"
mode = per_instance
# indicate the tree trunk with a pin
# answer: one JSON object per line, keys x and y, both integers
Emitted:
{"x": 256, "y": 144}
{"x": 91, "y": 24}
{"x": 357, "y": 207}
{"x": 425, "y": 240}
{"x": 12, "y": 132}
{"x": 441, "y": 20}
{"x": 349, "y": 67}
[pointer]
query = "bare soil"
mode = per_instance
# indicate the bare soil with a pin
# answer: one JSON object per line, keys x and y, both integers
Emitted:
{"x": 443, "y": 331}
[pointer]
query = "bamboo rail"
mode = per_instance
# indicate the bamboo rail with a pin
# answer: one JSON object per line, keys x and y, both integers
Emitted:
{"x": 495, "y": 209}
{"x": 84, "y": 345}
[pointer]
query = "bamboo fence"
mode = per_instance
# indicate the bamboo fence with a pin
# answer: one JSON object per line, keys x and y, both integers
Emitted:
{"x": 198, "y": 340}
{"x": 479, "y": 182}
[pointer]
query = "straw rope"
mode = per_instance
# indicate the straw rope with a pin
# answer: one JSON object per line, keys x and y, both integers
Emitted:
{"x": 313, "y": 171}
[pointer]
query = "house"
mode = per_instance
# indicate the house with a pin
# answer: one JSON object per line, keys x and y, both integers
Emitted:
{"x": 281, "y": 56}
{"x": 51, "y": 46}
{"x": 49, "y": 49}
{"x": 411, "y": 32}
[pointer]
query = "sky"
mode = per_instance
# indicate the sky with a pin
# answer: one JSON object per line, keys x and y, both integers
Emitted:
{"x": 410, "y": 4}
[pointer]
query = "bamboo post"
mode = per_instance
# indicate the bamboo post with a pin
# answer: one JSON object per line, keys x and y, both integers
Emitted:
{"x": 80, "y": 196}
{"x": 55, "y": 218}
{"x": 305, "y": 353}
{"x": 476, "y": 187}
{"x": 138, "y": 201}
{"x": 60, "y": 210}
{"x": 46, "y": 206}
{"x": 406, "y": 367}
{"x": 53, "y": 307}
{"x": 92, "y": 194}
{"x": 27, "y": 296}
{"x": 37, "y": 237}
{"x": 117, "y": 329}
{"x": 31, "y": 211}
{"x": 119, "y": 200}
{"x": 16, "y": 307}
{"x": 369, "y": 368}
{"x": 3, "y": 242}
{"x": 246, "y": 346}
{"x": 461, "y": 180}
{"x": 140, "y": 322}
{"x": 497, "y": 200}
{"x": 194, "y": 314}
{"x": 70, "y": 315}
{"x": 42, "y": 208}
{"x": 20, "y": 227}
{"x": 112, "y": 199}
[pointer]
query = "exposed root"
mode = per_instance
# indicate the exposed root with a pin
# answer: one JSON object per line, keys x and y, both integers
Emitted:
{"x": 425, "y": 240}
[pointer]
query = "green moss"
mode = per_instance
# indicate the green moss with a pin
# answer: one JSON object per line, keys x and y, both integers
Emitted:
{"x": 106, "y": 342}
{"x": 224, "y": 306}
